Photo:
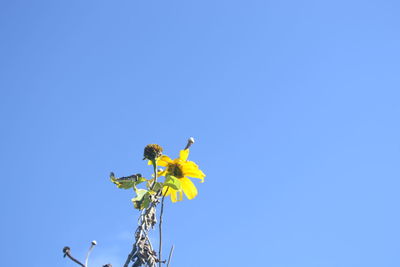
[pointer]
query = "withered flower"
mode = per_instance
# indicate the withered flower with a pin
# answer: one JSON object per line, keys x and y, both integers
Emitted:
{"x": 152, "y": 152}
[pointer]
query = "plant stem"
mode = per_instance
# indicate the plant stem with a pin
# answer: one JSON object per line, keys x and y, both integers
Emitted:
{"x": 160, "y": 227}
{"x": 67, "y": 252}
{"x": 155, "y": 174}
{"x": 128, "y": 260}
{"x": 88, "y": 254}
{"x": 170, "y": 255}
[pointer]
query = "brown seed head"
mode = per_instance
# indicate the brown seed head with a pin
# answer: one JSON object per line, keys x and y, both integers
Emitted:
{"x": 175, "y": 169}
{"x": 152, "y": 152}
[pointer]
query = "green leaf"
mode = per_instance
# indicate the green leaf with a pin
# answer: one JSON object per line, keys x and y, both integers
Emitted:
{"x": 172, "y": 182}
{"x": 142, "y": 199}
{"x": 128, "y": 181}
{"x": 139, "y": 194}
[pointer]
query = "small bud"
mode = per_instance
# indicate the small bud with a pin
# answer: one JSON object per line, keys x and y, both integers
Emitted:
{"x": 152, "y": 152}
{"x": 94, "y": 243}
{"x": 190, "y": 142}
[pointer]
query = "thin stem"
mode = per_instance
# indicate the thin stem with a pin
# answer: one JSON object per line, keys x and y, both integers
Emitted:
{"x": 88, "y": 254}
{"x": 160, "y": 228}
{"x": 155, "y": 174}
{"x": 67, "y": 252}
{"x": 170, "y": 255}
{"x": 128, "y": 260}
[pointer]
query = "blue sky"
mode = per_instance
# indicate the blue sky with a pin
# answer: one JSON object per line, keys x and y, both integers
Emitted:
{"x": 294, "y": 106}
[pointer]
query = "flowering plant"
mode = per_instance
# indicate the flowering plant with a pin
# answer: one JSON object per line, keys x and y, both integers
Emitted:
{"x": 149, "y": 193}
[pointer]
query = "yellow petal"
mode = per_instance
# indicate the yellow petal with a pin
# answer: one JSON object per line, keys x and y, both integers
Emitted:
{"x": 161, "y": 173}
{"x": 163, "y": 161}
{"x": 166, "y": 191}
{"x": 191, "y": 164}
{"x": 194, "y": 172}
{"x": 184, "y": 154}
{"x": 201, "y": 179}
{"x": 188, "y": 188}
{"x": 173, "y": 195}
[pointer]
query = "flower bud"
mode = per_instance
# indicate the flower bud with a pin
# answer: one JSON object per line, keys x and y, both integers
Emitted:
{"x": 190, "y": 142}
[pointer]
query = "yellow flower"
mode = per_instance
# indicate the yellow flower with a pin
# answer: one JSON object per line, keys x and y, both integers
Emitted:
{"x": 180, "y": 168}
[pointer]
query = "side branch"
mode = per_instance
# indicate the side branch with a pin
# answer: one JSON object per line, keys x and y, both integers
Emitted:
{"x": 67, "y": 252}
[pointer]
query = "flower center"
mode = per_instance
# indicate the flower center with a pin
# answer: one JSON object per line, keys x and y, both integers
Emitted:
{"x": 175, "y": 169}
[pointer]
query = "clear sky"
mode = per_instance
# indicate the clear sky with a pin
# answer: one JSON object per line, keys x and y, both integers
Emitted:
{"x": 294, "y": 106}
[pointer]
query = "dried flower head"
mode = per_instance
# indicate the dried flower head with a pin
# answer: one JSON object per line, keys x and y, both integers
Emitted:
{"x": 152, "y": 152}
